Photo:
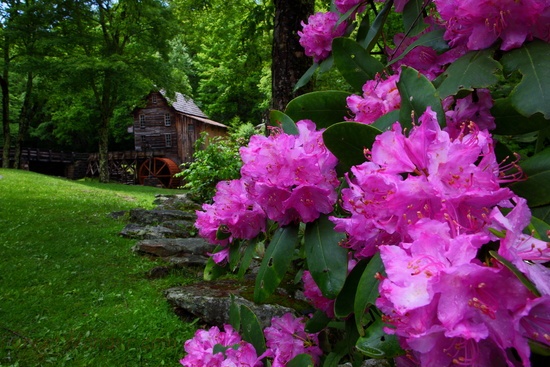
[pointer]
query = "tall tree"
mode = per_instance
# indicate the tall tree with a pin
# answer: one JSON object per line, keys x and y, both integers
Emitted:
{"x": 117, "y": 53}
{"x": 289, "y": 62}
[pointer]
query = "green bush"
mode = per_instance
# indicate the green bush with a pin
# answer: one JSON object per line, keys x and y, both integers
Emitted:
{"x": 214, "y": 161}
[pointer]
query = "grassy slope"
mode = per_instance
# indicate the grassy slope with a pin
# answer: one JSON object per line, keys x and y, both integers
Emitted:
{"x": 71, "y": 291}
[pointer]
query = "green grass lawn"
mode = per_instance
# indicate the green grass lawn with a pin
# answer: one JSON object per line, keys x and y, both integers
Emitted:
{"x": 71, "y": 291}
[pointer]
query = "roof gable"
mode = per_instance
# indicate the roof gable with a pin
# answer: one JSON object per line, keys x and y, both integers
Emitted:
{"x": 184, "y": 105}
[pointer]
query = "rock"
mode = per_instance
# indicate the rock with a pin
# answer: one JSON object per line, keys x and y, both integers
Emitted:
{"x": 164, "y": 247}
{"x": 157, "y": 216}
{"x": 176, "y": 202}
{"x": 137, "y": 231}
{"x": 210, "y": 301}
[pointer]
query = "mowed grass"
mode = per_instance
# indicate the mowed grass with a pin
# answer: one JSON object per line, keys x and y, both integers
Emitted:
{"x": 71, "y": 291}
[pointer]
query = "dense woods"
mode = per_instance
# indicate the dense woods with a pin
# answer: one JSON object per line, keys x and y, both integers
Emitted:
{"x": 73, "y": 70}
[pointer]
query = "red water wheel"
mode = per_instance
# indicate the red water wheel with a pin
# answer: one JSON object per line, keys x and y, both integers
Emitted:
{"x": 159, "y": 170}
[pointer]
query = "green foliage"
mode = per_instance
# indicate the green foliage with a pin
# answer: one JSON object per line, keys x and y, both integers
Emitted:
{"x": 71, "y": 291}
{"x": 215, "y": 159}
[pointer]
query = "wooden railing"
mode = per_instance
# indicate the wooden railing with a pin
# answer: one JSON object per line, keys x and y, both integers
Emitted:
{"x": 37, "y": 155}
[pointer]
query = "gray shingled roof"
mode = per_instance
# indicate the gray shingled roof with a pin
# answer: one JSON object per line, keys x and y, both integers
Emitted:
{"x": 185, "y": 105}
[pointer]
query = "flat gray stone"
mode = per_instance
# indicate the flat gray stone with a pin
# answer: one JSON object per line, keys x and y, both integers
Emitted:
{"x": 179, "y": 247}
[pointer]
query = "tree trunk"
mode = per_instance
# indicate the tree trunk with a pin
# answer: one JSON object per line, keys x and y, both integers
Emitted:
{"x": 289, "y": 61}
{"x": 24, "y": 121}
{"x": 104, "y": 151}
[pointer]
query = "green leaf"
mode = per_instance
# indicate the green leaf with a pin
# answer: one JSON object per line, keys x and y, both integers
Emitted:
{"x": 354, "y": 63}
{"x": 234, "y": 314}
{"x": 538, "y": 163}
{"x": 212, "y": 270}
{"x": 377, "y": 344}
{"x": 413, "y": 19}
{"x": 317, "y": 322}
{"x": 324, "y": 108}
{"x": 476, "y": 69}
{"x": 374, "y": 32}
{"x": 343, "y": 306}
{"x": 251, "y": 330}
{"x": 348, "y": 141}
{"x": 327, "y": 261}
{"x": 247, "y": 257}
{"x": 367, "y": 289}
{"x": 526, "y": 282}
{"x": 532, "y": 94}
{"x": 364, "y": 27}
{"x": 304, "y": 79}
{"x": 278, "y": 118}
{"x": 510, "y": 122}
{"x": 541, "y": 229}
{"x": 433, "y": 39}
{"x": 301, "y": 360}
{"x": 417, "y": 94}
{"x": 384, "y": 122}
{"x": 276, "y": 261}
{"x": 535, "y": 189}
{"x": 542, "y": 212}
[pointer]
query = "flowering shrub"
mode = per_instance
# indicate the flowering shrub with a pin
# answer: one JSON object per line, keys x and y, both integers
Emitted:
{"x": 414, "y": 231}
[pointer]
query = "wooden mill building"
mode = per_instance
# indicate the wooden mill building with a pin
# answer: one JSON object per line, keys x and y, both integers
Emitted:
{"x": 165, "y": 130}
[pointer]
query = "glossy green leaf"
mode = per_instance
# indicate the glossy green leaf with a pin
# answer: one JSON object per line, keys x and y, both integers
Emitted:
{"x": 276, "y": 261}
{"x": 532, "y": 94}
{"x": 367, "y": 289}
{"x": 541, "y": 229}
{"x": 526, "y": 282}
{"x": 538, "y": 163}
{"x": 377, "y": 344}
{"x": 234, "y": 314}
{"x": 535, "y": 189}
{"x": 278, "y": 118}
{"x": 324, "y": 108}
{"x": 304, "y": 79}
{"x": 348, "y": 141}
{"x": 375, "y": 30}
{"x": 354, "y": 63}
{"x": 251, "y": 330}
{"x": 343, "y": 306}
{"x": 542, "y": 213}
{"x": 417, "y": 94}
{"x": 511, "y": 122}
{"x": 247, "y": 257}
{"x": 327, "y": 261}
{"x": 433, "y": 39}
{"x": 384, "y": 122}
{"x": 317, "y": 322}
{"x": 476, "y": 69}
{"x": 413, "y": 18}
{"x": 364, "y": 27}
{"x": 301, "y": 360}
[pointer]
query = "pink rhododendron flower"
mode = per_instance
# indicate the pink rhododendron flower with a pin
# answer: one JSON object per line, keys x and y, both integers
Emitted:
{"x": 200, "y": 350}
{"x": 317, "y": 35}
{"x": 344, "y": 6}
{"x": 475, "y": 107}
{"x": 234, "y": 212}
{"x": 286, "y": 338}
{"x": 380, "y": 96}
{"x": 291, "y": 177}
{"x": 534, "y": 320}
{"x": 424, "y": 175}
{"x": 480, "y": 23}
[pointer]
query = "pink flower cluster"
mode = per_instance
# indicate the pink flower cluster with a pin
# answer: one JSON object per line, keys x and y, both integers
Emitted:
{"x": 291, "y": 177}
{"x": 380, "y": 96}
{"x": 238, "y": 353}
{"x": 317, "y": 35}
{"x": 285, "y": 339}
{"x": 425, "y": 175}
{"x": 284, "y": 178}
{"x": 480, "y": 23}
{"x": 426, "y": 201}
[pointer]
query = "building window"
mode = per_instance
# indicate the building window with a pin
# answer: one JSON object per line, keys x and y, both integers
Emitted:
{"x": 154, "y": 99}
{"x": 168, "y": 140}
{"x": 142, "y": 121}
{"x": 167, "y": 121}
